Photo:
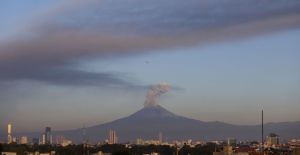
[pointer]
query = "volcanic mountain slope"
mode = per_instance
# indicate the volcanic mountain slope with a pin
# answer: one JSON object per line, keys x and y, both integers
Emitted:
{"x": 149, "y": 121}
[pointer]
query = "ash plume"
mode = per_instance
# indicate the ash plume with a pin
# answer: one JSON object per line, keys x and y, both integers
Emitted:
{"x": 154, "y": 92}
{"x": 52, "y": 45}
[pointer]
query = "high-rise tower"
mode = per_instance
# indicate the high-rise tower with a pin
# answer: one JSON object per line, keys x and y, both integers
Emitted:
{"x": 48, "y": 135}
{"x": 112, "y": 139}
{"x": 9, "y": 133}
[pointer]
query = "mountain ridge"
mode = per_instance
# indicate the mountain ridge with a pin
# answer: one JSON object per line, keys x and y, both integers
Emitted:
{"x": 147, "y": 122}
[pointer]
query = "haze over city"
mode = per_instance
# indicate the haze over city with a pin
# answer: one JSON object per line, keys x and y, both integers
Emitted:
{"x": 69, "y": 64}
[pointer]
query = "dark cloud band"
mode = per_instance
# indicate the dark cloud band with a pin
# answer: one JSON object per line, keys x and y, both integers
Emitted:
{"x": 121, "y": 27}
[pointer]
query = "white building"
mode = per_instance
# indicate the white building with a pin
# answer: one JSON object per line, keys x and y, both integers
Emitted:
{"x": 43, "y": 139}
{"x": 112, "y": 137}
{"x": 24, "y": 140}
{"x": 9, "y": 134}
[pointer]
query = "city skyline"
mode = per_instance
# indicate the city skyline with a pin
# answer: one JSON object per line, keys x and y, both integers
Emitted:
{"x": 45, "y": 138}
{"x": 153, "y": 119}
{"x": 68, "y": 65}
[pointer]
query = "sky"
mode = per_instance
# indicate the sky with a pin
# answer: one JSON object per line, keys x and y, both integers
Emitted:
{"x": 68, "y": 64}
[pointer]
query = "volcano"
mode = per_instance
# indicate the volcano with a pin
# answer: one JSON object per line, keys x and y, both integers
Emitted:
{"x": 148, "y": 122}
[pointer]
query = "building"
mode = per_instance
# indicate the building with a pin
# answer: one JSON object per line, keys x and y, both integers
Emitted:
{"x": 61, "y": 140}
{"x": 296, "y": 151}
{"x": 24, "y": 140}
{"x": 244, "y": 149}
{"x": 112, "y": 137}
{"x": 241, "y": 150}
{"x": 294, "y": 143}
{"x": 9, "y": 134}
{"x": 48, "y": 136}
{"x": 8, "y": 153}
{"x": 160, "y": 137}
{"x": 43, "y": 139}
{"x": 15, "y": 140}
{"x": 231, "y": 142}
{"x": 139, "y": 141}
{"x": 227, "y": 150}
{"x": 272, "y": 140}
{"x": 66, "y": 142}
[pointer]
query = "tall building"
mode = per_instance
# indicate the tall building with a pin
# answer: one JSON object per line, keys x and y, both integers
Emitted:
{"x": 9, "y": 134}
{"x": 112, "y": 137}
{"x": 272, "y": 140}
{"x": 48, "y": 136}
{"x": 43, "y": 139}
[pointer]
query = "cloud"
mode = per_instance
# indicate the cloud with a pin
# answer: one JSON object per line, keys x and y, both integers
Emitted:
{"x": 55, "y": 43}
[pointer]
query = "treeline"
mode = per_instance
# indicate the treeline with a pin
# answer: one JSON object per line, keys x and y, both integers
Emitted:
{"x": 114, "y": 149}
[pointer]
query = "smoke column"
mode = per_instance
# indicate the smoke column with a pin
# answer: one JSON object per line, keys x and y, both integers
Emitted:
{"x": 154, "y": 92}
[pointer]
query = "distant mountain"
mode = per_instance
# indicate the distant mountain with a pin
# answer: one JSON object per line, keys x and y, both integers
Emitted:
{"x": 149, "y": 121}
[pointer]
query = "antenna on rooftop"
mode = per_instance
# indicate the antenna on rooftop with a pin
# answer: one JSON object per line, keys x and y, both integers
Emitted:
{"x": 262, "y": 130}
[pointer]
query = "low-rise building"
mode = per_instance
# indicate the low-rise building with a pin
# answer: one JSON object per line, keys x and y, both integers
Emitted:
{"x": 8, "y": 153}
